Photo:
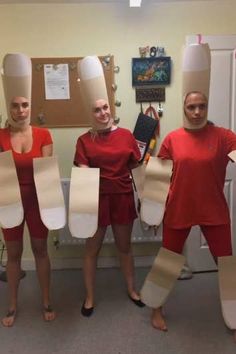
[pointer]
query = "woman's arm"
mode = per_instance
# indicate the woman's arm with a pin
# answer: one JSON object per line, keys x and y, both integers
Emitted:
{"x": 47, "y": 150}
{"x": 232, "y": 156}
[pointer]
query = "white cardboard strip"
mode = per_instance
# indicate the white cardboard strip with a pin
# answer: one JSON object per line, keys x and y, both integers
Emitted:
{"x": 227, "y": 285}
{"x": 83, "y": 202}
{"x": 11, "y": 209}
{"x": 156, "y": 188}
{"x": 49, "y": 192}
{"x": 161, "y": 278}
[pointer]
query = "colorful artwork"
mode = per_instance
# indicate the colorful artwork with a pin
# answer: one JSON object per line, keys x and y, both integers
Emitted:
{"x": 151, "y": 71}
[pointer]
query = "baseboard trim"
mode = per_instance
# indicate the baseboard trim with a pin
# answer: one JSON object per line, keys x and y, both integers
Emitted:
{"x": 76, "y": 263}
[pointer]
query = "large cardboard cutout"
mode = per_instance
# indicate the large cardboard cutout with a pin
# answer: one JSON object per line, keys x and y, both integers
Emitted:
{"x": 93, "y": 87}
{"x": 11, "y": 209}
{"x": 83, "y": 202}
{"x": 161, "y": 278}
{"x": 156, "y": 187}
{"x": 196, "y": 68}
{"x": 16, "y": 78}
{"x": 227, "y": 284}
{"x": 49, "y": 192}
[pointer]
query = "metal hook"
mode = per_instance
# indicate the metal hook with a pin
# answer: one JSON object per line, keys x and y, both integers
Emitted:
{"x": 116, "y": 69}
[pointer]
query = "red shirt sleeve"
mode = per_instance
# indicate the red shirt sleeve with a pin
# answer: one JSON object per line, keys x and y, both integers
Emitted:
{"x": 230, "y": 141}
{"x": 165, "y": 149}
{"x": 135, "y": 155}
{"x": 46, "y": 137}
{"x": 80, "y": 157}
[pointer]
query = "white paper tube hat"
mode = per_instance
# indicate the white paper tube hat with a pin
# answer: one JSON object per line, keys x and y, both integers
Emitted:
{"x": 196, "y": 69}
{"x": 17, "y": 78}
{"x": 93, "y": 86}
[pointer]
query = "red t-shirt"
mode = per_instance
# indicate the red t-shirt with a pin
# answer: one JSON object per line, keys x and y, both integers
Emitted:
{"x": 114, "y": 152}
{"x": 24, "y": 161}
{"x": 200, "y": 159}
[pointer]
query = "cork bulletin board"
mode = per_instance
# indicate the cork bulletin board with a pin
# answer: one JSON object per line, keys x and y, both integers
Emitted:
{"x": 64, "y": 112}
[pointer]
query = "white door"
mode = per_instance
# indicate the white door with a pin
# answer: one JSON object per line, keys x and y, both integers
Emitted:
{"x": 222, "y": 112}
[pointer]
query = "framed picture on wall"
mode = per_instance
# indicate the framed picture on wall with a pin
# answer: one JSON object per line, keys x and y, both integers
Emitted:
{"x": 152, "y": 71}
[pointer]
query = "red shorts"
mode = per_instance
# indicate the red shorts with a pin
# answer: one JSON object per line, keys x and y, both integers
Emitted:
{"x": 31, "y": 217}
{"x": 218, "y": 238}
{"x": 116, "y": 209}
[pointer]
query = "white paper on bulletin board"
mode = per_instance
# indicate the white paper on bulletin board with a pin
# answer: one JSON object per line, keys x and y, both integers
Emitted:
{"x": 56, "y": 80}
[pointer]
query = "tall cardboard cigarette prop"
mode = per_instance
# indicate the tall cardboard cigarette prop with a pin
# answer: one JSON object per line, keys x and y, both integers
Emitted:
{"x": 16, "y": 77}
{"x": 92, "y": 84}
{"x": 49, "y": 192}
{"x": 162, "y": 277}
{"x": 196, "y": 68}
{"x": 156, "y": 187}
{"x": 11, "y": 209}
{"x": 83, "y": 202}
{"x": 84, "y": 188}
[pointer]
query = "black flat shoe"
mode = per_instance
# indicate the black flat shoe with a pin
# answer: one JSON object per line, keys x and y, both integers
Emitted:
{"x": 138, "y": 303}
{"x": 87, "y": 312}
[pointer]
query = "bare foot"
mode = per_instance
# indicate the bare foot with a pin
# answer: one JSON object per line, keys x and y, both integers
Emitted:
{"x": 133, "y": 295}
{"x": 158, "y": 321}
{"x": 9, "y": 319}
{"x": 88, "y": 303}
{"x": 48, "y": 313}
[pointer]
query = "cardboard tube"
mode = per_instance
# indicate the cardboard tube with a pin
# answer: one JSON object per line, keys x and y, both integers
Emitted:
{"x": 16, "y": 77}
{"x": 92, "y": 85}
{"x": 196, "y": 67}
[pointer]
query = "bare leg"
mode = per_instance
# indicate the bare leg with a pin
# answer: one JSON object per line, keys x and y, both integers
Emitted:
{"x": 39, "y": 248}
{"x": 122, "y": 234}
{"x": 92, "y": 248}
{"x": 13, "y": 268}
{"x": 158, "y": 320}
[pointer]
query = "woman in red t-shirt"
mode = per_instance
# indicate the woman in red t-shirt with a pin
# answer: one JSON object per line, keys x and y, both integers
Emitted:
{"x": 115, "y": 152}
{"x": 196, "y": 197}
{"x": 26, "y": 142}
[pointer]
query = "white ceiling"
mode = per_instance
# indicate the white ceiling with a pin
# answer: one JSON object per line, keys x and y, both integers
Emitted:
{"x": 83, "y": 1}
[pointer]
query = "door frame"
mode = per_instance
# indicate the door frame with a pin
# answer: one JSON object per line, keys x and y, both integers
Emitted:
{"x": 227, "y": 42}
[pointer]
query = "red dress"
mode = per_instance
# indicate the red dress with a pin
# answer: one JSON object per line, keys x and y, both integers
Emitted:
{"x": 24, "y": 169}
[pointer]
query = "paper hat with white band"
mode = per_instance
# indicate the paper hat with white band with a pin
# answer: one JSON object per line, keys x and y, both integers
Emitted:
{"x": 196, "y": 69}
{"x": 92, "y": 83}
{"x": 16, "y": 77}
